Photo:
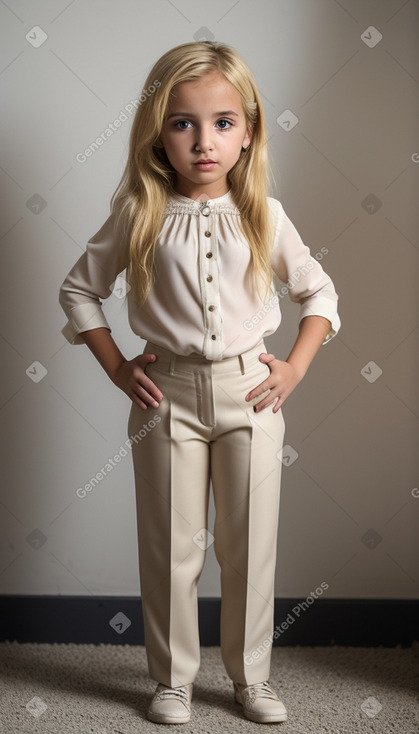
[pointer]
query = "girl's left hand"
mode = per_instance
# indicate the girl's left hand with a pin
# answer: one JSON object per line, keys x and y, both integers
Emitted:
{"x": 281, "y": 382}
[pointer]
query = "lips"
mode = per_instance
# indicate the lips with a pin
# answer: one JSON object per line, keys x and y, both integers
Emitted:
{"x": 205, "y": 160}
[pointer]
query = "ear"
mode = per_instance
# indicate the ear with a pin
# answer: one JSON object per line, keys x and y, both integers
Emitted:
{"x": 248, "y": 137}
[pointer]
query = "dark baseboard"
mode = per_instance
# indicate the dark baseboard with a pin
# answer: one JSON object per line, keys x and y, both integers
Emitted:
{"x": 119, "y": 621}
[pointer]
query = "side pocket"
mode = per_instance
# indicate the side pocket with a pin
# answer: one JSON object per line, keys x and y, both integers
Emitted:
{"x": 258, "y": 372}
{"x": 268, "y": 427}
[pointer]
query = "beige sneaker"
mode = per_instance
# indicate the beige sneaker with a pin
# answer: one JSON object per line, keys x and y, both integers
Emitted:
{"x": 171, "y": 705}
{"x": 260, "y": 702}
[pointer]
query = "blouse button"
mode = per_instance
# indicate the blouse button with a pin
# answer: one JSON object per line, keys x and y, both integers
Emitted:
{"x": 211, "y": 308}
{"x": 205, "y": 211}
{"x": 209, "y": 278}
{"x": 213, "y": 336}
{"x": 207, "y": 234}
{"x": 209, "y": 254}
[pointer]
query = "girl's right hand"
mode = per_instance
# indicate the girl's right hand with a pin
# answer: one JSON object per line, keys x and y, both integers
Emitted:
{"x": 131, "y": 378}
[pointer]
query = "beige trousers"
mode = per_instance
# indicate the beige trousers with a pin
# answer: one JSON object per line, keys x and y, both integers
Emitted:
{"x": 204, "y": 428}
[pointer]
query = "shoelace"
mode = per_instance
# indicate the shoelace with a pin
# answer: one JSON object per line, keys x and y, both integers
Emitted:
{"x": 179, "y": 692}
{"x": 264, "y": 689}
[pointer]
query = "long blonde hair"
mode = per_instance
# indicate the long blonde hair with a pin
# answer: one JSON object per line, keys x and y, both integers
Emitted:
{"x": 148, "y": 179}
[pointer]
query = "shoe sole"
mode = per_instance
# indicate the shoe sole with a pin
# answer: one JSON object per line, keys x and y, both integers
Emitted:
{"x": 164, "y": 719}
{"x": 262, "y": 718}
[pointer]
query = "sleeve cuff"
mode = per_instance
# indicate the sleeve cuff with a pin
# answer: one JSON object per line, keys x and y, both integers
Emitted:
{"x": 320, "y": 306}
{"x": 83, "y": 317}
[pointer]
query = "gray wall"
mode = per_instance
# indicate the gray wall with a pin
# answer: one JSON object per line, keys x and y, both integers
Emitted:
{"x": 347, "y": 174}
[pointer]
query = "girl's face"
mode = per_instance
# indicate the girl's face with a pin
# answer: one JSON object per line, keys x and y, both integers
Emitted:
{"x": 205, "y": 120}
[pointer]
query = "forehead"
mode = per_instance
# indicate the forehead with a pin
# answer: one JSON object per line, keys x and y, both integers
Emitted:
{"x": 211, "y": 89}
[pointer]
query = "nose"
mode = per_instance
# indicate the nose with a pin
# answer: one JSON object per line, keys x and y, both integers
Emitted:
{"x": 203, "y": 137}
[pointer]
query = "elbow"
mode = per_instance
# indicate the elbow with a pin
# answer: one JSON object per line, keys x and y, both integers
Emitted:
{"x": 63, "y": 298}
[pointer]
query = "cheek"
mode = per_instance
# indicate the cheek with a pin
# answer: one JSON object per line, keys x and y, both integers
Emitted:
{"x": 175, "y": 146}
{"x": 232, "y": 148}
{"x": 234, "y": 142}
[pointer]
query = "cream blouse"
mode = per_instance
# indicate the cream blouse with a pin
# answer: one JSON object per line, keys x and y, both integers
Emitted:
{"x": 199, "y": 303}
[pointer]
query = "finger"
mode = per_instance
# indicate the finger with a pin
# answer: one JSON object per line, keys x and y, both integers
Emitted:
{"x": 147, "y": 397}
{"x": 258, "y": 390}
{"x": 278, "y": 405}
{"x": 264, "y": 404}
{"x": 151, "y": 387}
{"x": 135, "y": 399}
{"x": 144, "y": 381}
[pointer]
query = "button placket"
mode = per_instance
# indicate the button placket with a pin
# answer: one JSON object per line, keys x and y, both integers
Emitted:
{"x": 210, "y": 291}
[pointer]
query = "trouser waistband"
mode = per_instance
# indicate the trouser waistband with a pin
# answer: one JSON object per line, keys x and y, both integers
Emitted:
{"x": 171, "y": 361}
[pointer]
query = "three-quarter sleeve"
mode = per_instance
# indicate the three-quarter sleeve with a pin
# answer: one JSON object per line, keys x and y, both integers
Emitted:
{"x": 91, "y": 279}
{"x": 307, "y": 283}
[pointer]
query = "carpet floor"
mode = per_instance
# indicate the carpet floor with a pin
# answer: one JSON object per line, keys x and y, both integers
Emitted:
{"x": 105, "y": 689}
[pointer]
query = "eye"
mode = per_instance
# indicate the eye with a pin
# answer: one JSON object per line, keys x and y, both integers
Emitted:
{"x": 184, "y": 124}
{"x": 224, "y": 125}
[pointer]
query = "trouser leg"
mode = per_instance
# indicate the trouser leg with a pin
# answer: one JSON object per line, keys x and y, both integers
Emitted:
{"x": 246, "y": 473}
{"x": 171, "y": 466}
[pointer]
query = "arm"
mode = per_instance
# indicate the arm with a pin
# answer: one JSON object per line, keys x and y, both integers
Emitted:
{"x": 313, "y": 289}
{"x": 307, "y": 283}
{"x": 311, "y": 335}
{"x": 285, "y": 376}
{"x": 89, "y": 281}
{"x": 104, "y": 348}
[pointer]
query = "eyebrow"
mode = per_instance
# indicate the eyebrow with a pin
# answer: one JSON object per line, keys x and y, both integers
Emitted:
{"x": 189, "y": 114}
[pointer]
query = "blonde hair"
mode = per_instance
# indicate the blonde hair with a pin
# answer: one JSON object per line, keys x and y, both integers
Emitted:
{"x": 148, "y": 179}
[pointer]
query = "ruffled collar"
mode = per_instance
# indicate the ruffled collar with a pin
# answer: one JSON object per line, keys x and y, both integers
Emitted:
{"x": 219, "y": 203}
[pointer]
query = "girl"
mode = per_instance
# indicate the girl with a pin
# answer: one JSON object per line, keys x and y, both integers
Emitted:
{"x": 192, "y": 223}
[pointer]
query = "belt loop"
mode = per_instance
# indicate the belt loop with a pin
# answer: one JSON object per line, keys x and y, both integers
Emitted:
{"x": 172, "y": 364}
{"x": 241, "y": 360}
